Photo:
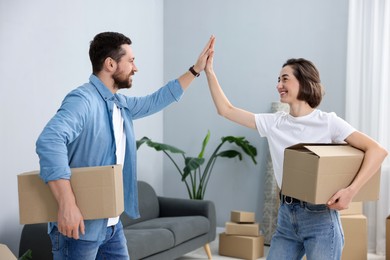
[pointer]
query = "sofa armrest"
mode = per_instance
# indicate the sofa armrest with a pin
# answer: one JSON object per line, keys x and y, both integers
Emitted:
{"x": 175, "y": 207}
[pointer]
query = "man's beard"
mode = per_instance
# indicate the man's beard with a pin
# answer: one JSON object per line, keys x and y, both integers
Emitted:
{"x": 122, "y": 83}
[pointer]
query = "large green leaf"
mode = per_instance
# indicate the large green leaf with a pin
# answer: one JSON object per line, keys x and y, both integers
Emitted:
{"x": 244, "y": 144}
{"x": 204, "y": 144}
{"x": 158, "y": 146}
{"x": 141, "y": 141}
{"x": 230, "y": 154}
{"x": 192, "y": 164}
{"x": 27, "y": 255}
{"x": 164, "y": 147}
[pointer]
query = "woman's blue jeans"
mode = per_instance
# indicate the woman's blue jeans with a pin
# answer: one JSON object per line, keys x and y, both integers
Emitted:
{"x": 304, "y": 228}
{"x": 114, "y": 246}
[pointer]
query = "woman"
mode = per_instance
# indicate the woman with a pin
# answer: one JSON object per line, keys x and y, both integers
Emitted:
{"x": 303, "y": 228}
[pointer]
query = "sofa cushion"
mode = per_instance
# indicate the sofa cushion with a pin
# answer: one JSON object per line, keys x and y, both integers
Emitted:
{"x": 183, "y": 228}
{"x": 145, "y": 242}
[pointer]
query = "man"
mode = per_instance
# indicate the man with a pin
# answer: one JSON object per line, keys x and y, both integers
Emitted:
{"x": 94, "y": 127}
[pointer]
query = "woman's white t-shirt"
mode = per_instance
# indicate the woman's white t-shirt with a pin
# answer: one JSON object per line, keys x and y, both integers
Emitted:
{"x": 283, "y": 130}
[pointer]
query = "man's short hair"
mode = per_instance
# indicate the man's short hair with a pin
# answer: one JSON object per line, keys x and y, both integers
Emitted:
{"x": 104, "y": 45}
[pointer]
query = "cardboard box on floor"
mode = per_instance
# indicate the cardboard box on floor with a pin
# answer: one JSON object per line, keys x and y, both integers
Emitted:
{"x": 314, "y": 172}
{"x": 355, "y": 237}
{"x": 242, "y": 229}
{"x": 5, "y": 253}
{"x": 355, "y": 208}
{"x": 98, "y": 192}
{"x": 244, "y": 247}
{"x": 242, "y": 216}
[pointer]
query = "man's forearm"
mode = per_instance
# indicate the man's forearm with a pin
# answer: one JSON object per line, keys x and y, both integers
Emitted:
{"x": 186, "y": 79}
{"x": 62, "y": 191}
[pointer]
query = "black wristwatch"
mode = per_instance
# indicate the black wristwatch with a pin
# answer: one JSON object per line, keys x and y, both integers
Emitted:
{"x": 191, "y": 69}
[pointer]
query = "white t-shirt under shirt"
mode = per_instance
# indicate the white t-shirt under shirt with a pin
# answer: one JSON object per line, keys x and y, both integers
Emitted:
{"x": 283, "y": 130}
{"x": 120, "y": 142}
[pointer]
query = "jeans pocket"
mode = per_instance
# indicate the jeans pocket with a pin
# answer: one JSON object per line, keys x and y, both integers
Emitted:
{"x": 316, "y": 207}
{"x": 55, "y": 239}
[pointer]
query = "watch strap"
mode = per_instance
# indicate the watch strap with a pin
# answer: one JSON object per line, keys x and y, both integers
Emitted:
{"x": 191, "y": 69}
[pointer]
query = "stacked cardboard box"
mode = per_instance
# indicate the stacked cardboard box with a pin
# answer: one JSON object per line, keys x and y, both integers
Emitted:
{"x": 241, "y": 238}
{"x": 355, "y": 232}
{"x": 355, "y": 237}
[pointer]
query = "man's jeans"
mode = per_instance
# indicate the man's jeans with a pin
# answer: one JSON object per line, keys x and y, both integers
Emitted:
{"x": 113, "y": 247}
{"x": 304, "y": 228}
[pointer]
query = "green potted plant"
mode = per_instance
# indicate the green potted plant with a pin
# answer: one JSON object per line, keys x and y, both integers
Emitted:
{"x": 192, "y": 174}
{"x": 26, "y": 256}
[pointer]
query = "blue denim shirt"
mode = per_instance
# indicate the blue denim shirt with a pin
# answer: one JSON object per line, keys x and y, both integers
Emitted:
{"x": 81, "y": 134}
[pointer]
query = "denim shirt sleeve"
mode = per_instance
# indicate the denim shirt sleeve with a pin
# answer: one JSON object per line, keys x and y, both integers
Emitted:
{"x": 155, "y": 102}
{"x": 61, "y": 130}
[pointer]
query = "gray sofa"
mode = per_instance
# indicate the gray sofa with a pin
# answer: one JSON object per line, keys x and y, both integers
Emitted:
{"x": 168, "y": 228}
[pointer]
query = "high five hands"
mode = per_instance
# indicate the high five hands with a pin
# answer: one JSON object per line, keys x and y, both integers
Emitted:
{"x": 205, "y": 55}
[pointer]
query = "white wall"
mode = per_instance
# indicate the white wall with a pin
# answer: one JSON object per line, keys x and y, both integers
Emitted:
{"x": 254, "y": 39}
{"x": 44, "y": 54}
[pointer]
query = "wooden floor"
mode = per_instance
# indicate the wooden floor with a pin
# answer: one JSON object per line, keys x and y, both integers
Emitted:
{"x": 201, "y": 254}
